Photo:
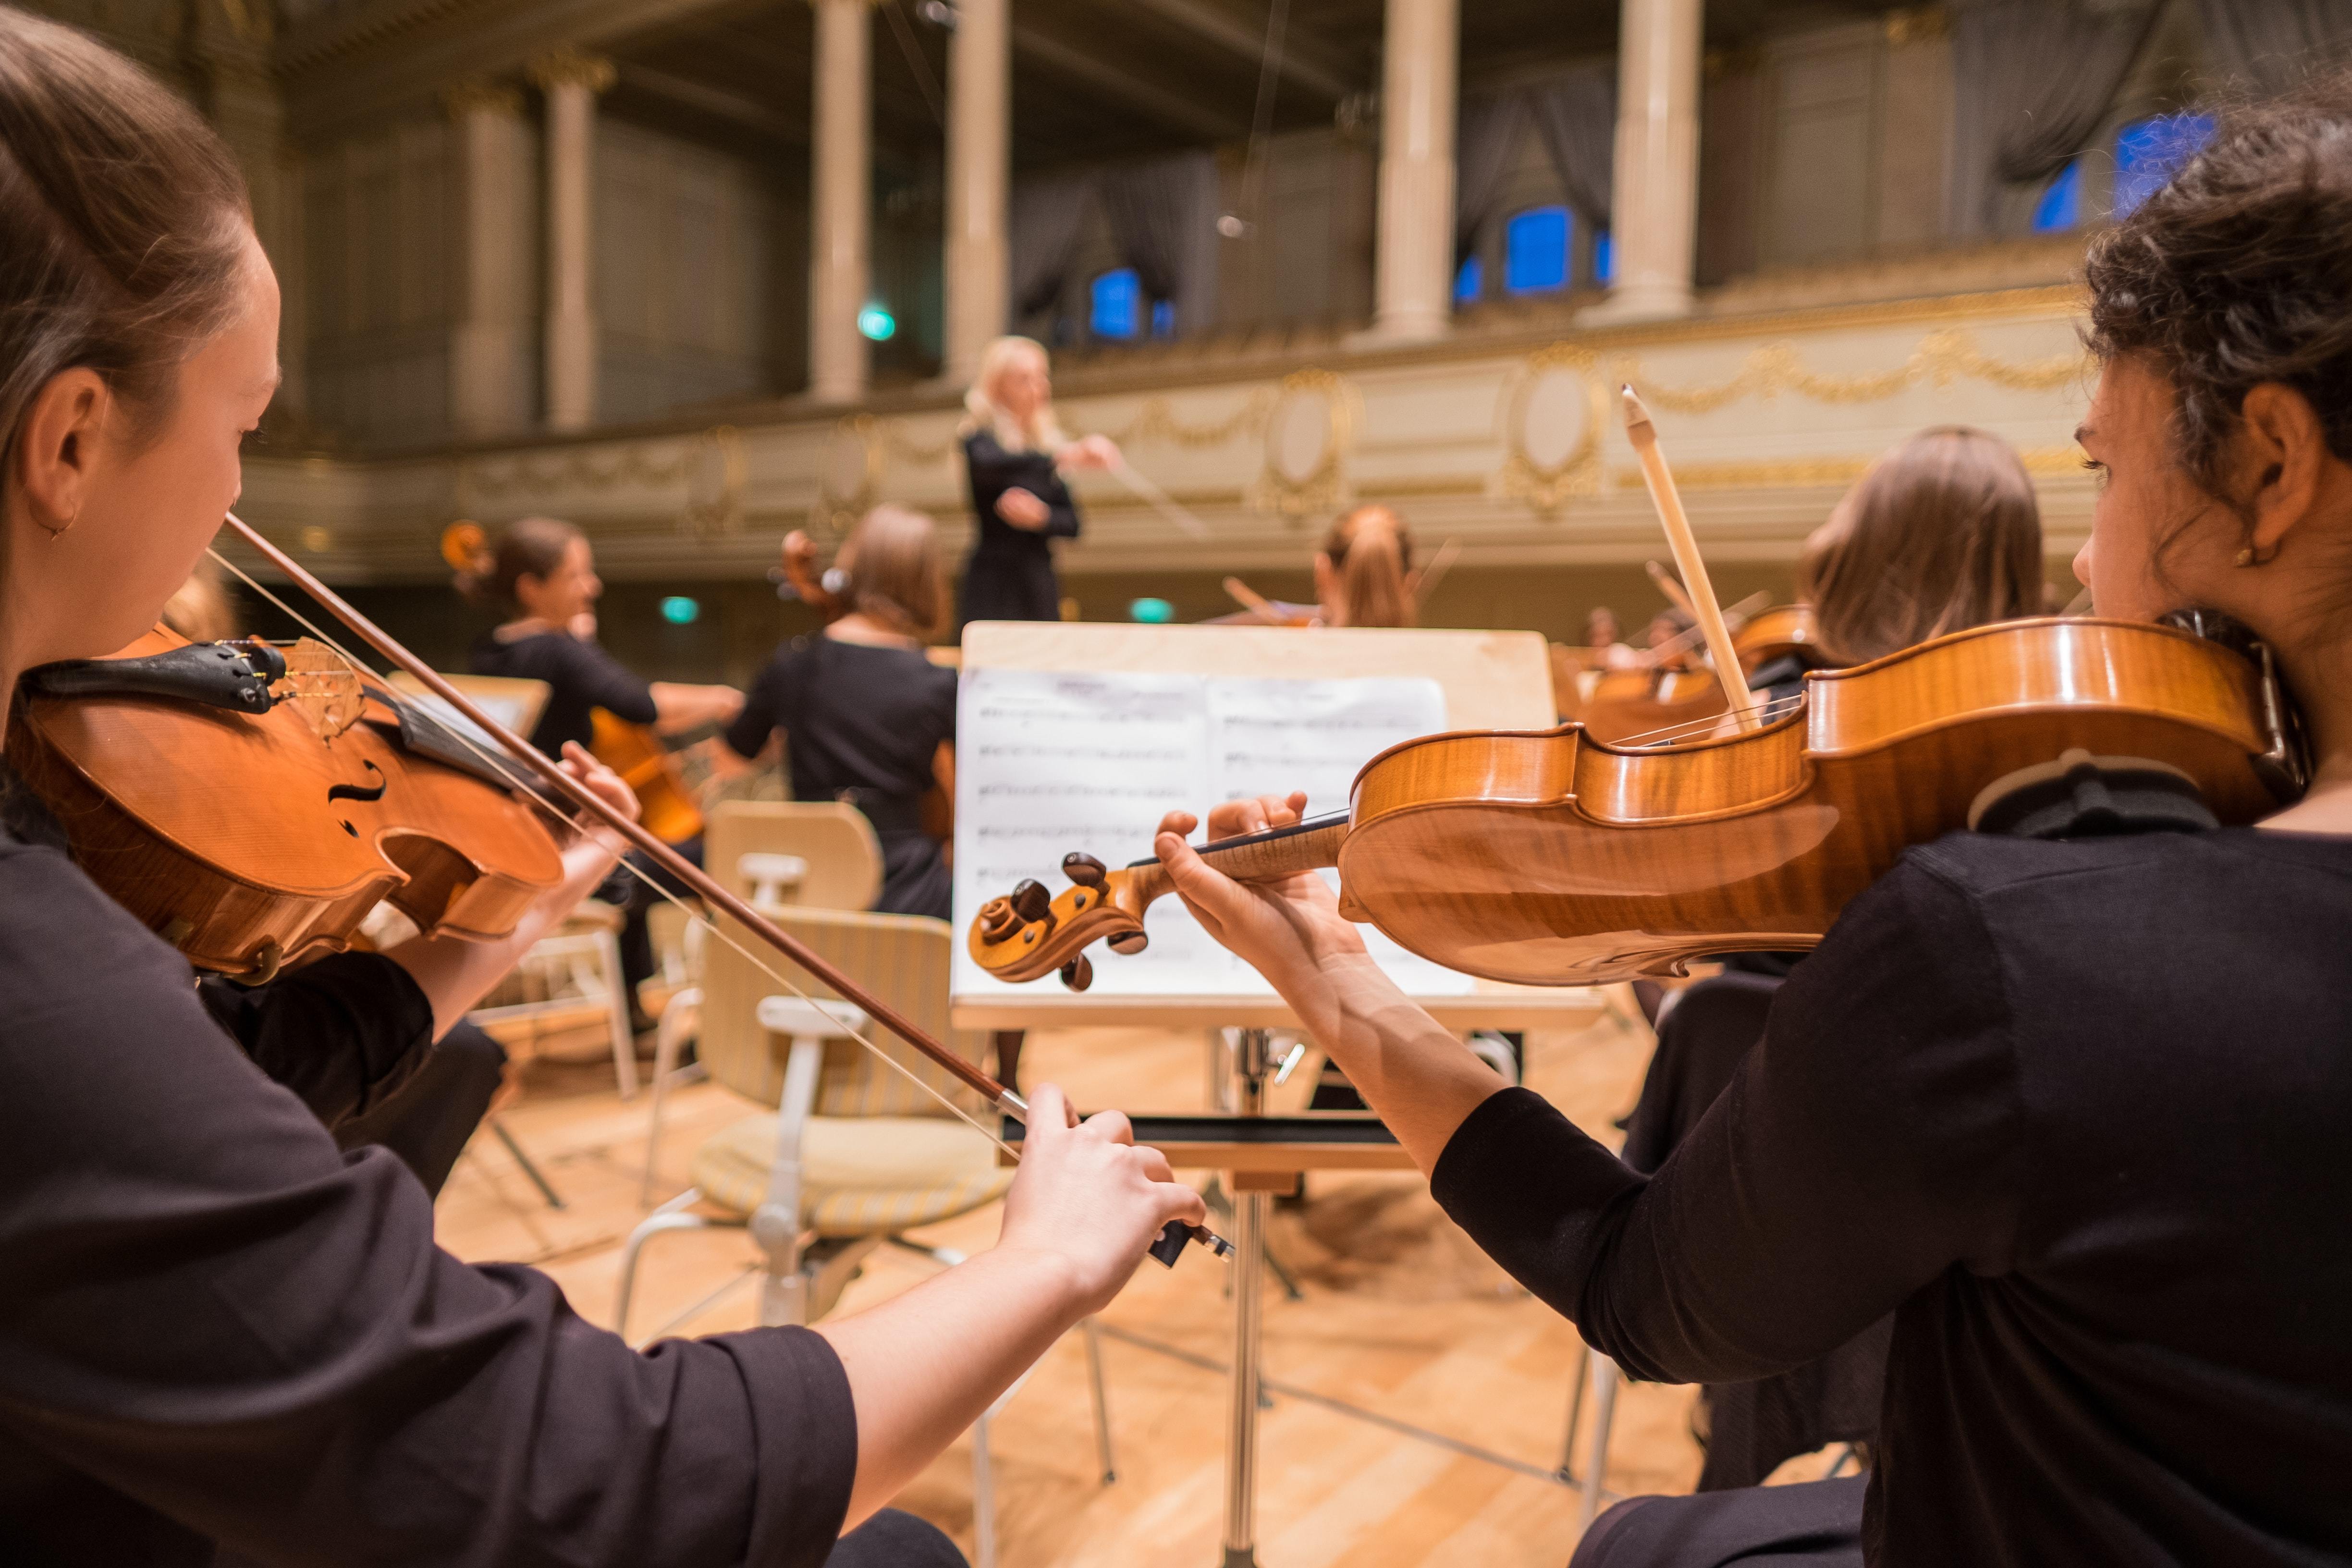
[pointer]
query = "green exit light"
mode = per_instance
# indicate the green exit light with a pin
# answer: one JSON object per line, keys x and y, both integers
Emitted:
{"x": 680, "y": 611}
{"x": 1151, "y": 612}
{"x": 878, "y": 324}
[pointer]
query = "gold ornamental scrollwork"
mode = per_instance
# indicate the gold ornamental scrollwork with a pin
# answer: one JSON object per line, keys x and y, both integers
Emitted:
{"x": 1545, "y": 488}
{"x": 1296, "y": 489}
{"x": 714, "y": 470}
{"x": 838, "y": 506}
{"x": 1943, "y": 357}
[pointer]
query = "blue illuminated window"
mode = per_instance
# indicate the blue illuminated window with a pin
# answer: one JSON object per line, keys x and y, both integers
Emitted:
{"x": 1604, "y": 257}
{"x": 1470, "y": 282}
{"x": 1535, "y": 251}
{"x": 2061, "y": 207}
{"x": 1117, "y": 304}
{"x": 1163, "y": 318}
{"x": 2149, "y": 151}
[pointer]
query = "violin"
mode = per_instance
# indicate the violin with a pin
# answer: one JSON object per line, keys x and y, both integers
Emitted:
{"x": 252, "y": 805}
{"x": 1557, "y": 859}
{"x": 745, "y": 920}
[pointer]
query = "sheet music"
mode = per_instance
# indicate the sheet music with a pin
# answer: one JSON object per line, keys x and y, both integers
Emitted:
{"x": 1047, "y": 762}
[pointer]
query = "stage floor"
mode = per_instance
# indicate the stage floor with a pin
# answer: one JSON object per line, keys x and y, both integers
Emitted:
{"x": 1401, "y": 1318}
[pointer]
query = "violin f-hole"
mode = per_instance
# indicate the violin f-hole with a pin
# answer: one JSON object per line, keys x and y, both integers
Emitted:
{"x": 362, "y": 792}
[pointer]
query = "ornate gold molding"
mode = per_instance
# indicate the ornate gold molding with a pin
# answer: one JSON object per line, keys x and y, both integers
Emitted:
{"x": 1325, "y": 487}
{"x": 1819, "y": 473}
{"x": 835, "y": 514}
{"x": 709, "y": 464}
{"x": 568, "y": 67}
{"x": 1523, "y": 478}
{"x": 1942, "y": 358}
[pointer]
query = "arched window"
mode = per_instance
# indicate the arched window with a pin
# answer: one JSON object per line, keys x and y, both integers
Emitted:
{"x": 1117, "y": 304}
{"x": 1470, "y": 282}
{"x": 2061, "y": 207}
{"x": 2149, "y": 151}
{"x": 1163, "y": 318}
{"x": 1535, "y": 251}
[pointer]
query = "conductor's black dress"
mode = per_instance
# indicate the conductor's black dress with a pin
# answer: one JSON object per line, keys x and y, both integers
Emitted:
{"x": 1009, "y": 576}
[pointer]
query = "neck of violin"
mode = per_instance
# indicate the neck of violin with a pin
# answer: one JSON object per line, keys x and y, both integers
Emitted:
{"x": 1279, "y": 852}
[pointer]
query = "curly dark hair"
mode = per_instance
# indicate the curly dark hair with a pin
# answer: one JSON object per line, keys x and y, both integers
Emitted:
{"x": 2239, "y": 271}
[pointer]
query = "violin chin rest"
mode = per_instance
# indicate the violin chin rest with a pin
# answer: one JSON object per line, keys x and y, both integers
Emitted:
{"x": 2079, "y": 795}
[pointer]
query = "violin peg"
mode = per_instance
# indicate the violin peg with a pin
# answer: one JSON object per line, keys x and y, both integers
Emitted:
{"x": 1084, "y": 869}
{"x": 1129, "y": 943}
{"x": 1078, "y": 975}
{"x": 1030, "y": 900}
{"x": 997, "y": 920}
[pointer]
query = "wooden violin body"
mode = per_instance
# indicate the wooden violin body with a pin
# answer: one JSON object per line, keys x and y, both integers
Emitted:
{"x": 1550, "y": 858}
{"x": 247, "y": 841}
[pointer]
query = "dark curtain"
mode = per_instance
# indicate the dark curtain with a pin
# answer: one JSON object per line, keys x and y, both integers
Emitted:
{"x": 1484, "y": 143}
{"x": 1163, "y": 218}
{"x": 2032, "y": 81}
{"x": 1046, "y": 215}
{"x": 1577, "y": 116}
{"x": 2270, "y": 44}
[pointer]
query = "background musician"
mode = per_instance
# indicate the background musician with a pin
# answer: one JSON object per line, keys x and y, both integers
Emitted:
{"x": 1015, "y": 454}
{"x": 542, "y": 576}
{"x": 221, "y": 1339}
{"x": 1943, "y": 533}
{"x": 2072, "y": 1110}
{"x": 863, "y": 711}
{"x": 1363, "y": 572}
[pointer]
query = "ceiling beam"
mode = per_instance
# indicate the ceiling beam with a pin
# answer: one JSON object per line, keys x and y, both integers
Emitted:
{"x": 1165, "y": 105}
{"x": 1305, "y": 66}
{"x": 734, "y": 108}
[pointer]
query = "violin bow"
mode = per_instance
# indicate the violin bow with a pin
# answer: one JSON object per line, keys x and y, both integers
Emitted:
{"x": 1687, "y": 560}
{"x": 1160, "y": 500}
{"x": 1002, "y": 1100}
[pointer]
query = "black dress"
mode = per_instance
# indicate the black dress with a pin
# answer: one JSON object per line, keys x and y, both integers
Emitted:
{"x": 1009, "y": 576}
{"x": 862, "y": 724}
{"x": 221, "y": 1337}
{"x": 579, "y": 676}
{"x": 2074, "y": 1113}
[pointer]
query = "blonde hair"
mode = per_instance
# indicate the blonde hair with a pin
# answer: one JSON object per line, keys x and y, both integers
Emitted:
{"x": 1370, "y": 551}
{"x": 893, "y": 558}
{"x": 982, "y": 411}
{"x": 1943, "y": 533}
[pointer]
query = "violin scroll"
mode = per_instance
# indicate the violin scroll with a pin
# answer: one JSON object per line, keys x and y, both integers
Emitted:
{"x": 1030, "y": 933}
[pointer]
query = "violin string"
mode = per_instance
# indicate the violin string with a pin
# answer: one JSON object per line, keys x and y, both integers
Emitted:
{"x": 1647, "y": 740}
{"x": 709, "y": 923}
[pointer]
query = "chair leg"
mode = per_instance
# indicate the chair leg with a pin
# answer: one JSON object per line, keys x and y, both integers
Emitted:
{"x": 530, "y": 1168}
{"x": 1102, "y": 1400}
{"x": 1575, "y": 1410}
{"x": 668, "y": 1041}
{"x": 625, "y": 1039}
{"x": 666, "y": 1217}
{"x": 1596, "y": 1458}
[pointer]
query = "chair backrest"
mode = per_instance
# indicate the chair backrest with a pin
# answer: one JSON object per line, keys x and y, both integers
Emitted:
{"x": 901, "y": 958}
{"x": 845, "y": 858}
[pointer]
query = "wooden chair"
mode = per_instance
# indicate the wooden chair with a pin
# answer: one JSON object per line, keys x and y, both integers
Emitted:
{"x": 845, "y": 858}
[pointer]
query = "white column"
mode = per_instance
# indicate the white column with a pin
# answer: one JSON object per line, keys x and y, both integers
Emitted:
{"x": 1414, "y": 284}
{"x": 489, "y": 345}
{"x": 980, "y": 151}
{"x": 1655, "y": 196}
{"x": 572, "y": 81}
{"x": 841, "y": 192}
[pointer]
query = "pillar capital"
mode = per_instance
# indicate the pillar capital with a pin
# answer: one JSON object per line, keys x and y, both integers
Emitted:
{"x": 478, "y": 94}
{"x": 569, "y": 66}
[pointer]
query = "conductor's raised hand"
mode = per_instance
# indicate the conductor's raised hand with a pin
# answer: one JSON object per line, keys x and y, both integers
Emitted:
{"x": 1086, "y": 1197}
{"x": 1286, "y": 929}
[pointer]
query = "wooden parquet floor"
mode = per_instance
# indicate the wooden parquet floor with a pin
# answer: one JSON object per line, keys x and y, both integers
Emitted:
{"x": 1401, "y": 1317}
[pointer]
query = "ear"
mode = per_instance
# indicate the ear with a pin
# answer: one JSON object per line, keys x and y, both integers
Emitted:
{"x": 2283, "y": 462}
{"x": 63, "y": 434}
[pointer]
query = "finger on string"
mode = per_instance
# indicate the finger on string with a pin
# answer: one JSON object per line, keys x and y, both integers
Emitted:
{"x": 709, "y": 925}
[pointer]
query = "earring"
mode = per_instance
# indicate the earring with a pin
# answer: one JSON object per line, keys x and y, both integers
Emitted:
{"x": 68, "y": 523}
{"x": 2247, "y": 557}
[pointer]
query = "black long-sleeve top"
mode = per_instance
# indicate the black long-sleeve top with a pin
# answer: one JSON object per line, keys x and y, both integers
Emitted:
{"x": 2075, "y": 1112}
{"x": 995, "y": 470}
{"x": 218, "y": 1333}
{"x": 581, "y": 678}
